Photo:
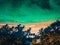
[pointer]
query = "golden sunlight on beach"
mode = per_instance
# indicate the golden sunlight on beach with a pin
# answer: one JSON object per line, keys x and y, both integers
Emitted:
{"x": 34, "y": 27}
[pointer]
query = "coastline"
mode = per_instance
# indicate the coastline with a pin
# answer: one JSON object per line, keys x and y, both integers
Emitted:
{"x": 34, "y": 26}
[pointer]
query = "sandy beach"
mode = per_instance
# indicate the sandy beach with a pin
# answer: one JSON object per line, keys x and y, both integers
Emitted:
{"x": 34, "y": 26}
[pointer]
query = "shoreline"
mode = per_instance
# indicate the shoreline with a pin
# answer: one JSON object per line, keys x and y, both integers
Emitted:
{"x": 34, "y": 27}
{"x": 12, "y": 23}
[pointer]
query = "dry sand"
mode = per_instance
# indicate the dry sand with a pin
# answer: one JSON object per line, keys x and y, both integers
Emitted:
{"x": 34, "y": 27}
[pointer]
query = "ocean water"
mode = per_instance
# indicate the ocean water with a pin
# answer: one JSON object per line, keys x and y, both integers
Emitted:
{"x": 29, "y": 11}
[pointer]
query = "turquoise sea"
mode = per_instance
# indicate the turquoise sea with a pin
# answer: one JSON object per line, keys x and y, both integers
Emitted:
{"x": 27, "y": 13}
